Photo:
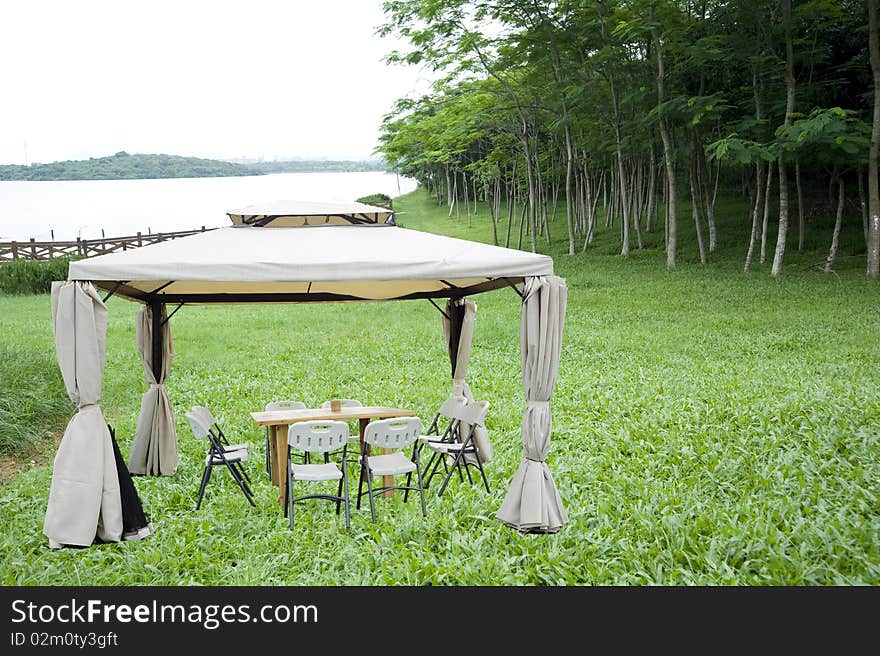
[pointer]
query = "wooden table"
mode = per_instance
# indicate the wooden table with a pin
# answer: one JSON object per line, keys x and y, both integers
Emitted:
{"x": 279, "y": 420}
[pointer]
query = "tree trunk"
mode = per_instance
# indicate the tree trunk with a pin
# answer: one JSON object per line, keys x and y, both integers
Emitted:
{"x": 695, "y": 211}
{"x": 652, "y": 186}
{"x": 467, "y": 202}
{"x": 766, "y": 219}
{"x": 704, "y": 184}
{"x": 531, "y": 182}
{"x": 759, "y": 201}
{"x": 449, "y": 196}
{"x": 832, "y": 253}
{"x": 873, "y": 269}
{"x": 493, "y": 209}
{"x": 671, "y": 227}
{"x": 781, "y": 235}
{"x": 863, "y": 205}
{"x": 637, "y": 209}
{"x": 511, "y": 203}
{"x": 569, "y": 209}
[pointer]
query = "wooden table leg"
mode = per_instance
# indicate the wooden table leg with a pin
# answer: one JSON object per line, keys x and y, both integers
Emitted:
{"x": 273, "y": 456}
{"x": 280, "y": 468}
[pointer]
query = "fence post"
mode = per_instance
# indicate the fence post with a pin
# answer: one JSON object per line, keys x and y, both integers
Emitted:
{"x": 203, "y": 228}
{"x": 140, "y": 240}
{"x": 79, "y": 248}
{"x": 14, "y": 250}
{"x": 33, "y": 249}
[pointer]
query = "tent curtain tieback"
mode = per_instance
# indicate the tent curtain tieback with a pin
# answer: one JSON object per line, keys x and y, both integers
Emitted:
{"x": 154, "y": 450}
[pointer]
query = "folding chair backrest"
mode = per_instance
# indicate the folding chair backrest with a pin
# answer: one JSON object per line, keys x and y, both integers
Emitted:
{"x": 196, "y": 420}
{"x": 346, "y": 403}
{"x": 453, "y": 407}
{"x": 285, "y": 405}
{"x": 205, "y": 414}
{"x": 394, "y": 433}
{"x": 317, "y": 436}
{"x": 475, "y": 412}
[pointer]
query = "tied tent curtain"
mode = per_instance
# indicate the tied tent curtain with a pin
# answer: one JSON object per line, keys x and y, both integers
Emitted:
{"x": 458, "y": 327}
{"x": 532, "y": 503}
{"x": 154, "y": 450}
{"x": 84, "y": 497}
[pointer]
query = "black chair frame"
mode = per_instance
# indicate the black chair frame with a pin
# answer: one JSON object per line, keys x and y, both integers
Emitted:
{"x": 290, "y": 500}
{"x": 460, "y": 462}
{"x": 373, "y": 492}
{"x": 217, "y": 451}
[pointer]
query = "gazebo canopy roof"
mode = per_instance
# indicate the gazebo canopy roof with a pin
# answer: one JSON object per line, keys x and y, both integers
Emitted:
{"x": 250, "y": 264}
{"x": 287, "y": 213}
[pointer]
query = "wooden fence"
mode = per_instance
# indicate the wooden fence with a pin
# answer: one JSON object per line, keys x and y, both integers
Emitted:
{"x": 48, "y": 250}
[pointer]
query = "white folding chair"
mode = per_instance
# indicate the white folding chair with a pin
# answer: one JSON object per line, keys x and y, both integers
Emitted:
{"x": 463, "y": 453}
{"x": 317, "y": 437}
{"x": 218, "y": 455}
{"x": 209, "y": 420}
{"x": 278, "y": 405}
{"x": 395, "y": 433}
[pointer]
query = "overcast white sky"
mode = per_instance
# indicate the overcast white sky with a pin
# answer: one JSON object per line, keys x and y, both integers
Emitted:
{"x": 254, "y": 78}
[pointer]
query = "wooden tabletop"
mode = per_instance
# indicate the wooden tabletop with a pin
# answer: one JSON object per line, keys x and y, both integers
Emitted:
{"x": 285, "y": 417}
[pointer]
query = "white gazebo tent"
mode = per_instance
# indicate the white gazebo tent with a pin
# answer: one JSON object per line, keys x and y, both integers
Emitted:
{"x": 295, "y": 252}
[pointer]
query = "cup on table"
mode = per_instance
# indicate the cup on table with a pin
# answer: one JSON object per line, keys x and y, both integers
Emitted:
{"x": 335, "y": 405}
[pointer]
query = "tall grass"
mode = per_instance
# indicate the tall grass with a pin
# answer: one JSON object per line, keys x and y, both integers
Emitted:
{"x": 32, "y": 397}
{"x": 709, "y": 427}
{"x": 21, "y": 276}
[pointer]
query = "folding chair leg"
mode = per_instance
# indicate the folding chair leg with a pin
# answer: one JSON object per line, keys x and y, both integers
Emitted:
{"x": 339, "y": 494}
{"x": 206, "y": 476}
{"x": 347, "y": 501}
{"x": 406, "y": 492}
{"x": 268, "y": 454}
{"x": 242, "y": 472}
{"x": 369, "y": 477}
{"x": 482, "y": 471}
{"x": 449, "y": 474}
{"x": 436, "y": 459}
{"x": 467, "y": 469}
{"x": 421, "y": 489}
{"x": 244, "y": 488}
{"x": 428, "y": 467}
{"x": 289, "y": 494}
{"x": 360, "y": 487}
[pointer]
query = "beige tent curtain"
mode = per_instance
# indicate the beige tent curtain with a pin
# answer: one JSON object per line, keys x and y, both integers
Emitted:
{"x": 458, "y": 327}
{"x": 154, "y": 450}
{"x": 532, "y": 503}
{"x": 84, "y": 498}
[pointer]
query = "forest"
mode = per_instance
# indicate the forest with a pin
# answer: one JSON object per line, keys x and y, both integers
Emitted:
{"x": 650, "y": 110}
{"x": 123, "y": 166}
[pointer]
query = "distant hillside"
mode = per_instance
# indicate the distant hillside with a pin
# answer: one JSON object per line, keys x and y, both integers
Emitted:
{"x": 311, "y": 166}
{"x": 123, "y": 166}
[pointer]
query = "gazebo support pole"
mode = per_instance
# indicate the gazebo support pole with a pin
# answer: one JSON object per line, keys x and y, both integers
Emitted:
{"x": 156, "y": 311}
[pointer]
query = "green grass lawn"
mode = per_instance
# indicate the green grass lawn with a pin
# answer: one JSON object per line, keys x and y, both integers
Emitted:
{"x": 710, "y": 427}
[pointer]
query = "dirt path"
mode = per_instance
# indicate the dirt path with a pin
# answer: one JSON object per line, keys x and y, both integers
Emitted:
{"x": 42, "y": 454}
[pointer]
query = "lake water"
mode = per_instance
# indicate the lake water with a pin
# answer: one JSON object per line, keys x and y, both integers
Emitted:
{"x": 123, "y": 207}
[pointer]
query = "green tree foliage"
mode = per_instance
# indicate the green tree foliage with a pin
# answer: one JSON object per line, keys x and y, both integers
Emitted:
{"x": 541, "y": 101}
